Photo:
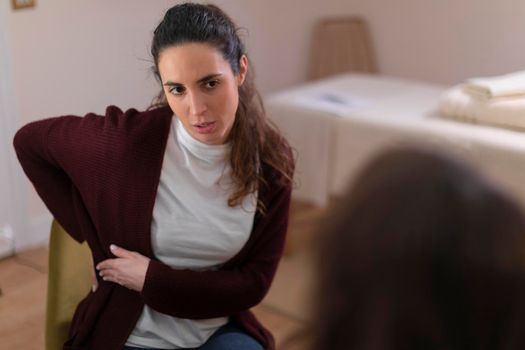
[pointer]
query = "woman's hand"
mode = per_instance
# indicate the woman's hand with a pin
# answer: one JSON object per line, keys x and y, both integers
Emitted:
{"x": 128, "y": 269}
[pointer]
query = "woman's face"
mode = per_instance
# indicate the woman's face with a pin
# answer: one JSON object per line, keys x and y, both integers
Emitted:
{"x": 201, "y": 89}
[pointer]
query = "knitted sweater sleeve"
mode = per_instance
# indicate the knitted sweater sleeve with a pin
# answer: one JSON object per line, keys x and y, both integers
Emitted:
{"x": 48, "y": 151}
{"x": 209, "y": 294}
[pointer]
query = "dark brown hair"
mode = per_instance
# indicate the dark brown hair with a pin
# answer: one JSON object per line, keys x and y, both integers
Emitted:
{"x": 255, "y": 141}
{"x": 422, "y": 253}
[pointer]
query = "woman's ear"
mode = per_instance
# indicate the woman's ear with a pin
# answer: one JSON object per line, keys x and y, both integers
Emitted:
{"x": 243, "y": 70}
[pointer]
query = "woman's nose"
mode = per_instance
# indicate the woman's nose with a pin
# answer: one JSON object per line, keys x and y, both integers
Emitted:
{"x": 197, "y": 103}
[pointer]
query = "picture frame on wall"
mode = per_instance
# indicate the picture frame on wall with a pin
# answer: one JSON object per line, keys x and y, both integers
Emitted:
{"x": 21, "y": 4}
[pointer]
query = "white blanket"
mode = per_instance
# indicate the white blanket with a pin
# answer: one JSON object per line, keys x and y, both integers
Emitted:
{"x": 456, "y": 103}
{"x": 512, "y": 84}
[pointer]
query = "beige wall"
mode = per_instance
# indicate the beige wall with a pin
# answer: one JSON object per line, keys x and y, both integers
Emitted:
{"x": 80, "y": 56}
{"x": 446, "y": 41}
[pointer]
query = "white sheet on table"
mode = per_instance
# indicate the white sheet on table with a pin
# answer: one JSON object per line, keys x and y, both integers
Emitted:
{"x": 333, "y": 144}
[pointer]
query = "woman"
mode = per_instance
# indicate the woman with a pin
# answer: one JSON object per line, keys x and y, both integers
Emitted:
{"x": 184, "y": 206}
{"x": 422, "y": 254}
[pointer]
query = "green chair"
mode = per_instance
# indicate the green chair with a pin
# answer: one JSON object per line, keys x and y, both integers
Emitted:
{"x": 69, "y": 281}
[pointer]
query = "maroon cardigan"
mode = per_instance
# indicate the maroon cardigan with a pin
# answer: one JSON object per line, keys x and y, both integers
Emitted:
{"x": 98, "y": 176}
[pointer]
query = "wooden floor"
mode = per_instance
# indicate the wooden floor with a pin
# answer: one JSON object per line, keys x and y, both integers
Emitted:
{"x": 23, "y": 280}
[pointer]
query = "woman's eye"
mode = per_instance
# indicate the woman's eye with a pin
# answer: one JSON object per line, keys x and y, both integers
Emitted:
{"x": 177, "y": 90}
{"x": 210, "y": 84}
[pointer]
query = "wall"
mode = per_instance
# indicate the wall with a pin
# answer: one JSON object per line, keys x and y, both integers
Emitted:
{"x": 74, "y": 57}
{"x": 446, "y": 41}
{"x": 12, "y": 199}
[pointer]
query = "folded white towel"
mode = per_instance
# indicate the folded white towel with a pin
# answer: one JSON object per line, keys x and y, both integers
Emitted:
{"x": 499, "y": 86}
{"x": 456, "y": 103}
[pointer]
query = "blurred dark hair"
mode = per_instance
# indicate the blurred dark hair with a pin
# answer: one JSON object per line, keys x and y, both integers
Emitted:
{"x": 255, "y": 141}
{"x": 422, "y": 253}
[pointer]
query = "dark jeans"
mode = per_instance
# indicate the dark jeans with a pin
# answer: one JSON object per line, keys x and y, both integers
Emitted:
{"x": 228, "y": 337}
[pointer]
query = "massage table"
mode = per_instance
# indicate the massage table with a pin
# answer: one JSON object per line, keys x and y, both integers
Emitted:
{"x": 337, "y": 124}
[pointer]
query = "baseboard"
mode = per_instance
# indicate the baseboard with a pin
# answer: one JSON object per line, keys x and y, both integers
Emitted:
{"x": 37, "y": 234}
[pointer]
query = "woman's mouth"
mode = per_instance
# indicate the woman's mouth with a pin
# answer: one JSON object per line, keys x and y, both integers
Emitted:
{"x": 204, "y": 128}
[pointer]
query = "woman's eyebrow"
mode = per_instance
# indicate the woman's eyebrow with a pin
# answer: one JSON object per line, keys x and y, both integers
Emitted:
{"x": 169, "y": 83}
{"x": 201, "y": 80}
{"x": 208, "y": 77}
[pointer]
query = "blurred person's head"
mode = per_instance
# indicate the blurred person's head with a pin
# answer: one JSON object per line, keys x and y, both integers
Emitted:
{"x": 421, "y": 253}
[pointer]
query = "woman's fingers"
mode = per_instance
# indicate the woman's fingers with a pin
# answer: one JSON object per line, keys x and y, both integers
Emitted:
{"x": 106, "y": 264}
{"x": 128, "y": 269}
{"x": 120, "y": 252}
{"x": 111, "y": 274}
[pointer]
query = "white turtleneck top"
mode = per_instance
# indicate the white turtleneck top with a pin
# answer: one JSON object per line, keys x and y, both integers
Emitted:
{"x": 192, "y": 228}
